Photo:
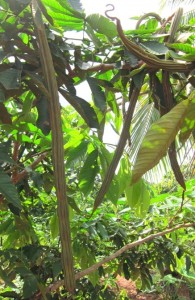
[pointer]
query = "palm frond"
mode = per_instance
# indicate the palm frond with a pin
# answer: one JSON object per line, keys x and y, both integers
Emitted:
{"x": 188, "y": 16}
{"x": 178, "y": 2}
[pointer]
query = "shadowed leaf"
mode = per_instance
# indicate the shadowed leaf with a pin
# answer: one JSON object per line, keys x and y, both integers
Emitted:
{"x": 98, "y": 94}
{"x": 83, "y": 108}
{"x": 43, "y": 115}
{"x": 10, "y": 78}
{"x": 88, "y": 172}
{"x": 8, "y": 190}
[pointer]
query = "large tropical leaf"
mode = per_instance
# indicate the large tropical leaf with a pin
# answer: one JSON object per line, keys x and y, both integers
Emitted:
{"x": 189, "y": 123}
{"x": 77, "y": 5}
{"x": 102, "y": 25}
{"x": 83, "y": 108}
{"x": 64, "y": 15}
{"x": 158, "y": 139}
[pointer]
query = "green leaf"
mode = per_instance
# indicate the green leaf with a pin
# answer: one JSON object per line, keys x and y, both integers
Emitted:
{"x": 113, "y": 192}
{"x": 94, "y": 278}
{"x": 189, "y": 123}
{"x": 101, "y": 229}
{"x": 98, "y": 94}
{"x": 77, "y": 153}
{"x": 157, "y": 140}
{"x": 73, "y": 204}
{"x": 4, "y": 154}
{"x": 56, "y": 267}
{"x": 89, "y": 30}
{"x": 9, "y": 190}
{"x": 138, "y": 78}
{"x": 186, "y": 57}
{"x": 102, "y": 25}
{"x": 6, "y": 278}
{"x": 28, "y": 102}
{"x": 44, "y": 12}
{"x": 5, "y": 226}
{"x": 83, "y": 108}
{"x": 43, "y": 121}
{"x": 10, "y": 78}
{"x": 54, "y": 226}
{"x": 186, "y": 48}
{"x": 4, "y": 4}
{"x": 63, "y": 15}
{"x": 76, "y": 5}
{"x": 133, "y": 193}
{"x": 105, "y": 159}
{"x": 131, "y": 58}
{"x": 30, "y": 282}
{"x": 143, "y": 204}
{"x": 155, "y": 47}
{"x": 124, "y": 173}
{"x": 88, "y": 172}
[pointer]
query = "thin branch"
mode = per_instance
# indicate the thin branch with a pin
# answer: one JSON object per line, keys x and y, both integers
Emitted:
{"x": 119, "y": 150}
{"x": 109, "y": 258}
{"x": 25, "y": 172}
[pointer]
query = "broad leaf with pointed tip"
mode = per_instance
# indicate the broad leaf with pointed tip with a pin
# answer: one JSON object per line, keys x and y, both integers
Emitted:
{"x": 8, "y": 190}
{"x": 98, "y": 94}
{"x": 138, "y": 197}
{"x": 157, "y": 140}
{"x": 102, "y": 25}
{"x": 64, "y": 15}
{"x": 88, "y": 172}
{"x": 189, "y": 122}
{"x": 83, "y": 108}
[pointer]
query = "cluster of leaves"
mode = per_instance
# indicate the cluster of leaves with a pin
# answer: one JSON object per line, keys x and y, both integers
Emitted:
{"x": 29, "y": 222}
{"x": 110, "y": 228}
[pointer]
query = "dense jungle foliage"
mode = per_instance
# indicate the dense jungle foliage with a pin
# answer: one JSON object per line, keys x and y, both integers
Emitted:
{"x": 75, "y": 210}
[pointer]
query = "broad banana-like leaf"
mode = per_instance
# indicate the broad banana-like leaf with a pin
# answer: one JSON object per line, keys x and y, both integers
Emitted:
{"x": 189, "y": 122}
{"x": 157, "y": 140}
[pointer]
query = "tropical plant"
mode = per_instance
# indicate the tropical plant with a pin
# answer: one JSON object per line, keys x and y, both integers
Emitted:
{"x": 58, "y": 229}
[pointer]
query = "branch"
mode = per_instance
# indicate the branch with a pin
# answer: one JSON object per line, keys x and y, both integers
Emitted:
{"x": 94, "y": 267}
{"x": 150, "y": 59}
{"x": 57, "y": 147}
{"x": 24, "y": 173}
{"x": 119, "y": 150}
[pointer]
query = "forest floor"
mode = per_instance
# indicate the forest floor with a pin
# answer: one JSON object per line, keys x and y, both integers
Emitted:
{"x": 134, "y": 294}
